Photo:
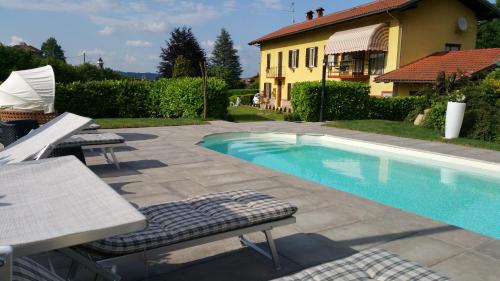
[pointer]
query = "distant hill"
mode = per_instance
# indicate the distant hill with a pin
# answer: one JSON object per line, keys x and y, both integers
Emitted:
{"x": 140, "y": 76}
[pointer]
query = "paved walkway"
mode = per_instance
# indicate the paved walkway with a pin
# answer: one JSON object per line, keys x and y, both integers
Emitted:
{"x": 164, "y": 164}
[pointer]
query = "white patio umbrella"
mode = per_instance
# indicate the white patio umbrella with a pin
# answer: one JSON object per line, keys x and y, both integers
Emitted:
{"x": 32, "y": 89}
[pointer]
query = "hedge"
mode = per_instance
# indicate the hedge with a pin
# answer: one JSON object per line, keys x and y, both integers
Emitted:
{"x": 131, "y": 99}
{"x": 245, "y": 99}
{"x": 343, "y": 100}
{"x": 395, "y": 108}
{"x": 109, "y": 98}
{"x": 242, "y": 92}
{"x": 348, "y": 101}
{"x": 174, "y": 98}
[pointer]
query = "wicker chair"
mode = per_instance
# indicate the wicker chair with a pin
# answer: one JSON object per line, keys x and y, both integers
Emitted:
{"x": 16, "y": 114}
{"x": 13, "y": 130}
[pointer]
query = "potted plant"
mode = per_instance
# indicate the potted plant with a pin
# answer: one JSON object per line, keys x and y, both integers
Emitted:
{"x": 455, "y": 111}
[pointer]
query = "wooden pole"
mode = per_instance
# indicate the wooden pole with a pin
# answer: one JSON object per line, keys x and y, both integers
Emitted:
{"x": 204, "y": 75}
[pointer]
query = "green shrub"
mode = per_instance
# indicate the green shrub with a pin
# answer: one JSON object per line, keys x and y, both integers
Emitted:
{"x": 395, "y": 109}
{"x": 343, "y": 100}
{"x": 109, "y": 98}
{"x": 436, "y": 118}
{"x": 482, "y": 114}
{"x": 174, "y": 98}
{"x": 242, "y": 92}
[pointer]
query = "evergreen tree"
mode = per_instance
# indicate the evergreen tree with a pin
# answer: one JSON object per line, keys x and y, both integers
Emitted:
{"x": 182, "y": 68}
{"x": 225, "y": 62}
{"x": 182, "y": 42}
{"x": 488, "y": 33}
{"x": 52, "y": 49}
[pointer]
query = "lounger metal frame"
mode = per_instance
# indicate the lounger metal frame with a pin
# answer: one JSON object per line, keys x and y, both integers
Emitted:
{"x": 105, "y": 149}
{"x": 106, "y": 268}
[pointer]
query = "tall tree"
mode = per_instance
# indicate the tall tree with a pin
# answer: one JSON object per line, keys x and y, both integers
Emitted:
{"x": 225, "y": 62}
{"x": 182, "y": 68}
{"x": 52, "y": 49}
{"x": 182, "y": 42}
{"x": 488, "y": 33}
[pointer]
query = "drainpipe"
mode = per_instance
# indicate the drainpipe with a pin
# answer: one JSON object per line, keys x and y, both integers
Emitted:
{"x": 400, "y": 38}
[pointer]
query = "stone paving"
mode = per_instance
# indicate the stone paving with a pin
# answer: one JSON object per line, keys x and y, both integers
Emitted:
{"x": 165, "y": 164}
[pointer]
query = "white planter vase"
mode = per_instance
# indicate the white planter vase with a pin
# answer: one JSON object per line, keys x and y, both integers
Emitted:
{"x": 454, "y": 117}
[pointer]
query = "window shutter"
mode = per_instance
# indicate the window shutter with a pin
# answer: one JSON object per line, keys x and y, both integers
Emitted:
{"x": 290, "y": 54}
{"x": 297, "y": 56}
{"x": 308, "y": 53}
{"x": 289, "y": 91}
{"x": 268, "y": 65}
{"x": 315, "y": 56}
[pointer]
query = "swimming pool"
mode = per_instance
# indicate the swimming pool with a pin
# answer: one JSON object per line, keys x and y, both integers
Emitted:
{"x": 453, "y": 190}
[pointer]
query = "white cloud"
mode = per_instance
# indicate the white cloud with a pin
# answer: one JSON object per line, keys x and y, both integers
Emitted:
{"x": 116, "y": 15}
{"x": 138, "y": 43}
{"x": 130, "y": 59}
{"x": 107, "y": 30}
{"x": 15, "y": 40}
{"x": 208, "y": 45}
{"x": 268, "y": 5}
{"x": 94, "y": 52}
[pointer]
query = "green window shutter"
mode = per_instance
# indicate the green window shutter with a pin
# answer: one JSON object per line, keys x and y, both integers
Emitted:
{"x": 268, "y": 65}
{"x": 290, "y": 55}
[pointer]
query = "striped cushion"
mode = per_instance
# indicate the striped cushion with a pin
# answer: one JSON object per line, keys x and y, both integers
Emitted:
{"x": 25, "y": 269}
{"x": 200, "y": 216}
{"x": 373, "y": 264}
{"x": 91, "y": 139}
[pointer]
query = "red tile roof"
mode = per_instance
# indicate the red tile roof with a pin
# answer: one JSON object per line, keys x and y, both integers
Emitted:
{"x": 483, "y": 8}
{"x": 426, "y": 69}
{"x": 356, "y": 12}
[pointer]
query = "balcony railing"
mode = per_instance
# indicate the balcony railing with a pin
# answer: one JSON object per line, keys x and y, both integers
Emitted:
{"x": 275, "y": 72}
{"x": 348, "y": 70}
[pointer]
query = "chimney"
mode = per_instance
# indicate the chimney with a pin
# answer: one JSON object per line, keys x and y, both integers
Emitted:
{"x": 309, "y": 15}
{"x": 320, "y": 11}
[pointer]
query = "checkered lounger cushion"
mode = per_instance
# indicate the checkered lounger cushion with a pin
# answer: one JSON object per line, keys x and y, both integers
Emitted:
{"x": 197, "y": 217}
{"x": 91, "y": 139}
{"x": 373, "y": 264}
{"x": 25, "y": 269}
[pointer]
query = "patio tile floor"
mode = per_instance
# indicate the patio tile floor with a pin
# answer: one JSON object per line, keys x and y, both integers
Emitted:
{"x": 165, "y": 164}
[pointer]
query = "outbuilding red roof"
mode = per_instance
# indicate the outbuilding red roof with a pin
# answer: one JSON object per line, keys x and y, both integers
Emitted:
{"x": 426, "y": 70}
{"x": 483, "y": 9}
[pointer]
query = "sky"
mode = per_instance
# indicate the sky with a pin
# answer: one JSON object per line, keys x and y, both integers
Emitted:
{"x": 128, "y": 34}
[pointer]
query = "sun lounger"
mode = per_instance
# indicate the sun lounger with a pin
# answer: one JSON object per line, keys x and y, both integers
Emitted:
{"x": 373, "y": 264}
{"x": 106, "y": 142}
{"x": 40, "y": 142}
{"x": 370, "y": 264}
{"x": 195, "y": 221}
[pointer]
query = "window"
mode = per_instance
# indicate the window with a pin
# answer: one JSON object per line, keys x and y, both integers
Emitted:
{"x": 452, "y": 47}
{"x": 293, "y": 58}
{"x": 268, "y": 61}
{"x": 333, "y": 60}
{"x": 267, "y": 90}
{"x": 289, "y": 91}
{"x": 312, "y": 57}
{"x": 353, "y": 63}
{"x": 377, "y": 63}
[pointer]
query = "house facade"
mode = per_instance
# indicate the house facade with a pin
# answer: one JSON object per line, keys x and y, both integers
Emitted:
{"x": 365, "y": 42}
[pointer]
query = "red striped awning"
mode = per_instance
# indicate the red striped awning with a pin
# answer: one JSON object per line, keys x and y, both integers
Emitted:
{"x": 368, "y": 38}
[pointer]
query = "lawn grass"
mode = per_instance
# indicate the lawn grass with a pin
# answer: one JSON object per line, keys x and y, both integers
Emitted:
{"x": 116, "y": 123}
{"x": 241, "y": 114}
{"x": 407, "y": 130}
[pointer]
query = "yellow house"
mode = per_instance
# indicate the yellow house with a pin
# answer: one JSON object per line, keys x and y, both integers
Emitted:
{"x": 364, "y": 42}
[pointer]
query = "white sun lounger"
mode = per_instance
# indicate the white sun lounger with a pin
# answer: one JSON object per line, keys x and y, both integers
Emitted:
{"x": 40, "y": 142}
{"x": 372, "y": 264}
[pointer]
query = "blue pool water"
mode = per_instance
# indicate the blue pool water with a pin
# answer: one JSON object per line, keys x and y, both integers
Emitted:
{"x": 455, "y": 195}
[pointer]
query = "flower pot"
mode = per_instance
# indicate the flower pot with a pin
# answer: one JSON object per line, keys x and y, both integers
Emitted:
{"x": 454, "y": 117}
